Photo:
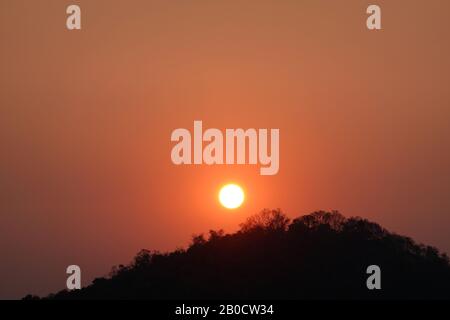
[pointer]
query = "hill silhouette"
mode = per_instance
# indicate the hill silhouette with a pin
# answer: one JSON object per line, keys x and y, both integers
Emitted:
{"x": 322, "y": 255}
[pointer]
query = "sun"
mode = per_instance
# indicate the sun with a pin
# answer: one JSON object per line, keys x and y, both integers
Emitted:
{"x": 231, "y": 196}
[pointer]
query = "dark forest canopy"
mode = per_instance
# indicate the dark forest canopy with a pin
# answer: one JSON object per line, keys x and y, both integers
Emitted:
{"x": 317, "y": 256}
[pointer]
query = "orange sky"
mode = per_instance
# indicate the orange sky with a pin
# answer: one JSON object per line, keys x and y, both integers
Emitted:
{"x": 86, "y": 117}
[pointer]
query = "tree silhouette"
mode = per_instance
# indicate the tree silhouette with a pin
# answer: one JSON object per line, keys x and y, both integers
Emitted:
{"x": 322, "y": 255}
{"x": 267, "y": 220}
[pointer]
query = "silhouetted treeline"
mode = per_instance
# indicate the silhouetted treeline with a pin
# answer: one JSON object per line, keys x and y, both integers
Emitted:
{"x": 322, "y": 255}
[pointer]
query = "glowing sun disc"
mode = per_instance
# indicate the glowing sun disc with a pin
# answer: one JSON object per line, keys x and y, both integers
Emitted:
{"x": 231, "y": 196}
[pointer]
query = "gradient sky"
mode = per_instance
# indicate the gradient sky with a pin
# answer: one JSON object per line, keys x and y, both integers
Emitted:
{"x": 86, "y": 117}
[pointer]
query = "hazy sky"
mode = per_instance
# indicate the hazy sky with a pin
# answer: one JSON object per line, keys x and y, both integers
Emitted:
{"x": 86, "y": 116}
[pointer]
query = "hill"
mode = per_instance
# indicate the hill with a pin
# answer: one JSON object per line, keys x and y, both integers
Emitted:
{"x": 322, "y": 255}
